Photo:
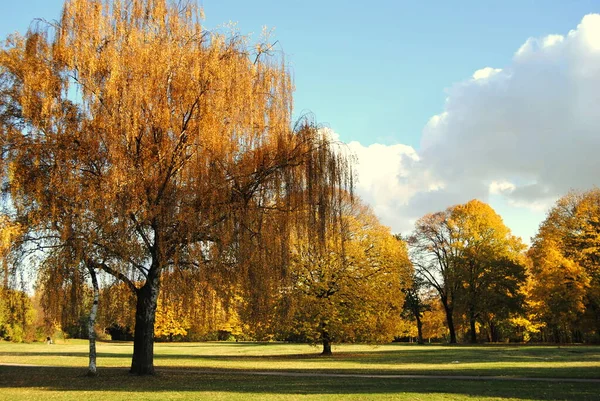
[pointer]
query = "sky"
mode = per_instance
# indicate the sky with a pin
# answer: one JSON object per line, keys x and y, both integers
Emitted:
{"x": 441, "y": 102}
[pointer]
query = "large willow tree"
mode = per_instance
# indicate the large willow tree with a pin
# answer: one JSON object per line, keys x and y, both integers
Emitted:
{"x": 146, "y": 144}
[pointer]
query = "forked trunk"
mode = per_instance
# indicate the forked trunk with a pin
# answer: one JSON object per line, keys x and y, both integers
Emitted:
{"x": 92, "y": 323}
{"x": 143, "y": 339}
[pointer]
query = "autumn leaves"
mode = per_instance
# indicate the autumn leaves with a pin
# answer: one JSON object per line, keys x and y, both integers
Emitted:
{"x": 140, "y": 147}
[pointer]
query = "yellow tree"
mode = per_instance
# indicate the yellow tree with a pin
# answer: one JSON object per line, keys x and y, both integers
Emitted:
{"x": 566, "y": 264}
{"x": 491, "y": 265}
{"x": 434, "y": 319}
{"x": 351, "y": 289}
{"x": 473, "y": 261}
{"x": 151, "y": 144}
{"x": 169, "y": 323}
{"x": 16, "y": 311}
{"x": 16, "y": 315}
{"x": 559, "y": 289}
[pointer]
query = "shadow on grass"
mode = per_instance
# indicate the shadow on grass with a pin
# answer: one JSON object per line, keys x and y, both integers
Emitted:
{"x": 194, "y": 380}
{"x": 454, "y": 360}
{"x": 402, "y": 355}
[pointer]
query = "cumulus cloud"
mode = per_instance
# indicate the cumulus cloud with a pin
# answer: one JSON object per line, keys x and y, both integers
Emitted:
{"x": 501, "y": 187}
{"x": 527, "y": 133}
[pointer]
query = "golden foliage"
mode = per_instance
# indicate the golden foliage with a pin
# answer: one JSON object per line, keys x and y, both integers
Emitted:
{"x": 473, "y": 261}
{"x": 16, "y": 315}
{"x": 565, "y": 264}
{"x": 149, "y": 144}
{"x": 350, "y": 291}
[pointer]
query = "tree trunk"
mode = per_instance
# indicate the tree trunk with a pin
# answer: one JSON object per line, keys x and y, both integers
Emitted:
{"x": 143, "y": 338}
{"x": 449, "y": 320}
{"x": 473, "y": 330}
{"x": 493, "y": 332}
{"x": 92, "y": 323}
{"x": 326, "y": 347}
{"x": 419, "y": 328}
{"x": 472, "y": 326}
{"x": 326, "y": 340}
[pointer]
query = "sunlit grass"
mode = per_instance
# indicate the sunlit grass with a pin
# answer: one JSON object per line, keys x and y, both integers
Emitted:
{"x": 534, "y": 361}
{"x": 220, "y": 371}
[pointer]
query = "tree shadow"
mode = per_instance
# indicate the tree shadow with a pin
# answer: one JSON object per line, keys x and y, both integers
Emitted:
{"x": 455, "y": 360}
{"x": 175, "y": 379}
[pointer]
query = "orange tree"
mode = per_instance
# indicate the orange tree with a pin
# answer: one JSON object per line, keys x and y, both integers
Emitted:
{"x": 148, "y": 144}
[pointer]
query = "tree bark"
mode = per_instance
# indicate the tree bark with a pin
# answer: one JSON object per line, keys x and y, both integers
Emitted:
{"x": 326, "y": 347}
{"x": 143, "y": 339}
{"x": 472, "y": 329}
{"x": 92, "y": 323}
{"x": 419, "y": 328}
{"x": 493, "y": 332}
{"x": 472, "y": 326}
{"x": 449, "y": 320}
{"x": 325, "y": 337}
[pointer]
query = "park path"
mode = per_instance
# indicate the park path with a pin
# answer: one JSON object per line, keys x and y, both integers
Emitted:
{"x": 356, "y": 375}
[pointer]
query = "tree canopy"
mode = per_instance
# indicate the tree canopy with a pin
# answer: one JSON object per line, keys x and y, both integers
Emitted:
{"x": 349, "y": 290}
{"x": 473, "y": 261}
{"x": 147, "y": 144}
{"x": 565, "y": 267}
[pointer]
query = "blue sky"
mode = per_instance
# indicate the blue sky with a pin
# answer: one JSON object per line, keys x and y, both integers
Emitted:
{"x": 377, "y": 72}
{"x": 374, "y": 71}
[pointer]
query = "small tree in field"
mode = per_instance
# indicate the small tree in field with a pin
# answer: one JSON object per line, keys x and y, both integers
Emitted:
{"x": 351, "y": 289}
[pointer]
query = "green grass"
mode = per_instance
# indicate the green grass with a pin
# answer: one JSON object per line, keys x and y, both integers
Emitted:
{"x": 223, "y": 371}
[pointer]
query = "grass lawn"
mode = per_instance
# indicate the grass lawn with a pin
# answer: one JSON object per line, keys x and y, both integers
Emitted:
{"x": 223, "y": 371}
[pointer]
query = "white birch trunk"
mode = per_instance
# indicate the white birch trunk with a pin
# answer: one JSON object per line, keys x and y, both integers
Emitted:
{"x": 91, "y": 324}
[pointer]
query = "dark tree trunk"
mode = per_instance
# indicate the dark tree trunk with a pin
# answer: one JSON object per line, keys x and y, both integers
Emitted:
{"x": 326, "y": 346}
{"x": 449, "y": 320}
{"x": 556, "y": 334}
{"x": 326, "y": 338}
{"x": 419, "y": 328}
{"x": 473, "y": 332}
{"x": 472, "y": 326}
{"x": 143, "y": 338}
{"x": 494, "y": 332}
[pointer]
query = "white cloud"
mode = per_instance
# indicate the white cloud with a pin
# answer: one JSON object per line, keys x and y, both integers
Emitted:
{"x": 552, "y": 40}
{"x": 501, "y": 187}
{"x": 522, "y": 135}
{"x": 485, "y": 73}
{"x": 383, "y": 180}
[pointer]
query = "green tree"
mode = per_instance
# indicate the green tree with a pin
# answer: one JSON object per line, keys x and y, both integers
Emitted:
{"x": 415, "y": 304}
